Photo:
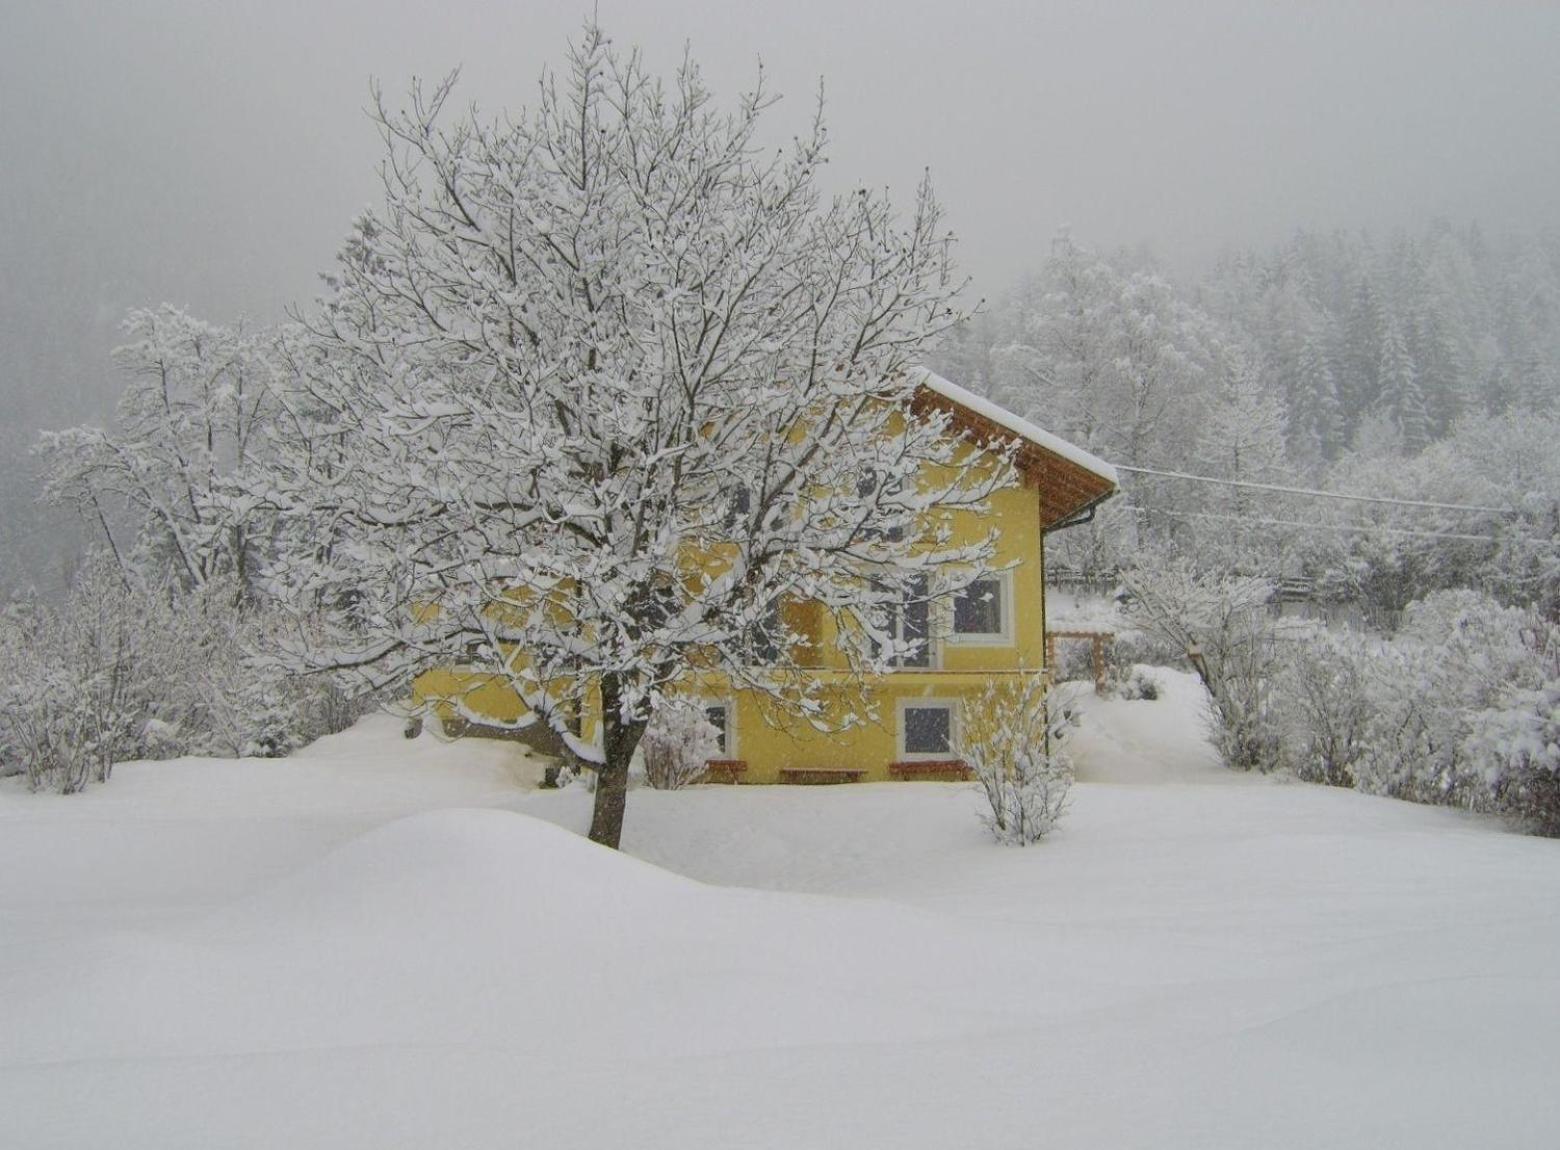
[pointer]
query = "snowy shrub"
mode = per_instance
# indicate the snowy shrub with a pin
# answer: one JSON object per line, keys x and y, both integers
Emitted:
{"x": 1075, "y": 662}
{"x": 68, "y": 705}
{"x": 1481, "y": 683}
{"x": 1013, "y": 736}
{"x": 1518, "y": 745}
{"x": 678, "y": 743}
{"x": 1460, "y": 708}
{"x": 1139, "y": 685}
{"x": 1325, "y": 707}
{"x": 126, "y": 670}
{"x": 1221, "y": 623}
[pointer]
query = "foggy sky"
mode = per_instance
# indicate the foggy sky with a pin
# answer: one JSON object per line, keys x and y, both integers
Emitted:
{"x": 212, "y": 154}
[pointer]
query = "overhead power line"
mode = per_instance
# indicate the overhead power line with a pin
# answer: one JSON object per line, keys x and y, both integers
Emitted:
{"x": 1316, "y": 494}
{"x": 1362, "y": 529}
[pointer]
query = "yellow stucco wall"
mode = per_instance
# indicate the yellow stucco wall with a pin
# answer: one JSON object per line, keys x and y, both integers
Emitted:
{"x": 769, "y": 742}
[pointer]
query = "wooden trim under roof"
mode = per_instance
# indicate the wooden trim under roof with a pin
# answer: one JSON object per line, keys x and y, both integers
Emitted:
{"x": 1066, "y": 488}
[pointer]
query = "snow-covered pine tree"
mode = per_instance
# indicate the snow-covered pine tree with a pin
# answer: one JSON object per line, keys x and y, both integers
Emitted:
{"x": 1401, "y": 396}
{"x": 1360, "y": 386}
{"x": 600, "y": 389}
{"x": 1315, "y": 417}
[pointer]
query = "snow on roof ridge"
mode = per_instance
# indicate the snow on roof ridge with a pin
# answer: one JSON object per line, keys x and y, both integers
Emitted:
{"x": 1020, "y": 427}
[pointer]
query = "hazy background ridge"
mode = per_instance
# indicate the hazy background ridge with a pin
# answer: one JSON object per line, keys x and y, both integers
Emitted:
{"x": 212, "y": 154}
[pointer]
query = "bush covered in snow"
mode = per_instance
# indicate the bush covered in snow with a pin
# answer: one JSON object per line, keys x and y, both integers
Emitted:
{"x": 1139, "y": 685}
{"x": 124, "y": 669}
{"x": 1013, "y": 737}
{"x": 1461, "y": 707}
{"x": 68, "y": 699}
{"x": 678, "y": 743}
{"x": 1325, "y": 706}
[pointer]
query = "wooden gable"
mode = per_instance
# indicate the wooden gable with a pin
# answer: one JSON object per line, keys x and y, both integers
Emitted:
{"x": 1066, "y": 488}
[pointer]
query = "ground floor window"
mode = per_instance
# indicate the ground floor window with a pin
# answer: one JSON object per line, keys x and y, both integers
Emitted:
{"x": 719, "y": 715}
{"x": 926, "y": 730}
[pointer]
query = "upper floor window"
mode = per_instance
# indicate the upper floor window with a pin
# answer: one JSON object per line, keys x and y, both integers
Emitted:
{"x": 910, "y": 621}
{"x": 983, "y": 609}
{"x": 766, "y": 637}
{"x": 866, "y": 486}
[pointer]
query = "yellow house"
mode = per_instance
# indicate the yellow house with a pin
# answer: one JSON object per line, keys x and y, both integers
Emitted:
{"x": 995, "y": 628}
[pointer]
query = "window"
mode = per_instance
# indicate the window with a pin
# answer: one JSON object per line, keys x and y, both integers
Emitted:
{"x": 926, "y": 730}
{"x": 910, "y": 621}
{"x": 981, "y": 610}
{"x": 866, "y": 487}
{"x": 720, "y": 714}
{"x": 765, "y": 637}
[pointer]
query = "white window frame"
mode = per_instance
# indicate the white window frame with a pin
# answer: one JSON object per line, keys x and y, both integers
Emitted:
{"x": 730, "y": 703}
{"x": 916, "y": 704}
{"x": 1002, "y": 638}
{"x": 932, "y": 641}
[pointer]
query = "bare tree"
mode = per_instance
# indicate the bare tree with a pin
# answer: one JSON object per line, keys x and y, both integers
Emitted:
{"x": 600, "y": 390}
{"x": 1222, "y": 624}
{"x": 197, "y": 400}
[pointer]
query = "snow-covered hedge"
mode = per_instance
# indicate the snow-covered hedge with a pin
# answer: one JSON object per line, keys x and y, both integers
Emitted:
{"x": 1460, "y": 707}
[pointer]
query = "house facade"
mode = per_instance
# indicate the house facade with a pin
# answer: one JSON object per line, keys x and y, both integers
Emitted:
{"x": 909, "y": 728}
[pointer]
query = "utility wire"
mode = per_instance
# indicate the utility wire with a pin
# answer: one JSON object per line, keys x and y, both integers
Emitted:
{"x": 1367, "y": 530}
{"x": 1317, "y": 494}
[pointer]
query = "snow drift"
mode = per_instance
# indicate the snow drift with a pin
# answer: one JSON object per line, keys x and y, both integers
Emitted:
{"x": 494, "y": 928}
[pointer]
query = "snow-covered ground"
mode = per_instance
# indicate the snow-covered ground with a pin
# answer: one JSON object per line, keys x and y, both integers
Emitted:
{"x": 386, "y": 944}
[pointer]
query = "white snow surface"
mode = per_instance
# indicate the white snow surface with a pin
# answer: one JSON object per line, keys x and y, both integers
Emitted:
{"x": 1019, "y": 426}
{"x": 382, "y": 943}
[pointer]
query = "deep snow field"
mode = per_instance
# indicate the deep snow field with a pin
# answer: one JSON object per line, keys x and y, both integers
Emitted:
{"x": 382, "y": 943}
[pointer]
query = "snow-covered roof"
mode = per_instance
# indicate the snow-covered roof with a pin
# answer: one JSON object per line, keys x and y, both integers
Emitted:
{"x": 1022, "y": 428}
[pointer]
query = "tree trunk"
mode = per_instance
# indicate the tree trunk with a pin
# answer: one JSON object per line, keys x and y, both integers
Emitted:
{"x": 618, "y": 742}
{"x": 606, "y": 820}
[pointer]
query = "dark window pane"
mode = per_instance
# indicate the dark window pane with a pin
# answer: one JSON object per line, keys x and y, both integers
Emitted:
{"x": 865, "y": 487}
{"x": 738, "y": 504}
{"x": 978, "y": 609}
{"x": 765, "y": 637}
{"x": 910, "y": 621}
{"x": 717, "y": 716}
{"x": 928, "y": 731}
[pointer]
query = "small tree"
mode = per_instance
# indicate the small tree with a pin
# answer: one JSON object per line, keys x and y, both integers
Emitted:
{"x": 1012, "y": 737}
{"x": 678, "y": 744}
{"x": 599, "y": 390}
